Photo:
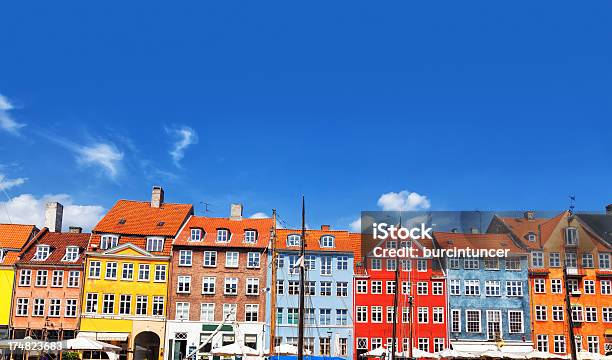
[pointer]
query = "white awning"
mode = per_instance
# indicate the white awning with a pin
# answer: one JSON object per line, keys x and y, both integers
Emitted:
{"x": 478, "y": 347}
{"x": 105, "y": 336}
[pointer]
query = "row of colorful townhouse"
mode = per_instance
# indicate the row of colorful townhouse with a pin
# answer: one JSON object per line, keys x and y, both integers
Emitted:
{"x": 160, "y": 282}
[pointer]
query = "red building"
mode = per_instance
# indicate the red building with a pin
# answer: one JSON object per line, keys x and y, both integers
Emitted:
{"x": 375, "y": 287}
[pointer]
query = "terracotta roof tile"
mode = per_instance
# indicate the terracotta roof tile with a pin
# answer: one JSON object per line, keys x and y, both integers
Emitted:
{"x": 58, "y": 243}
{"x": 210, "y": 225}
{"x": 15, "y": 236}
{"x": 476, "y": 241}
{"x": 521, "y": 227}
{"x": 140, "y": 241}
{"x": 10, "y": 258}
{"x": 343, "y": 242}
{"x": 139, "y": 218}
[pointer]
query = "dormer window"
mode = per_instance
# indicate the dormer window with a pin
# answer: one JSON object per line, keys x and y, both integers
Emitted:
{"x": 531, "y": 237}
{"x": 327, "y": 241}
{"x": 42, "y": 253}
{"x": 293, "y": 240}
{"x": 155, "y": 243}
{"x": 108, "y": 241}
{"x": 250, "y": 236}
{"x": 571, "y": 236}
{"x": 72, "y": 254}
{"x": 223, "y": 235}
{"x": 196, "y": 234}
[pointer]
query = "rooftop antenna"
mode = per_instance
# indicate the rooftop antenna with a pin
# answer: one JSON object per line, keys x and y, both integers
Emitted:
{"x": 206, "y": 205}
{"x": 572, "y": 204}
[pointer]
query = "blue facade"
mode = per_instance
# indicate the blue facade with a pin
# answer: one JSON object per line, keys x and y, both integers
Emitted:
{"x": 329, "y": 302}
{"x": 490, "y": 302}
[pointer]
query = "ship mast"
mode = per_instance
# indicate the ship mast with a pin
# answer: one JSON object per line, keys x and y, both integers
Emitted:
{"x": 301, "y": 264}
{"x": 273, "y": 285}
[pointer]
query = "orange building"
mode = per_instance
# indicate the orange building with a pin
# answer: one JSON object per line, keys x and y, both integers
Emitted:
{"x": 553, "y": 243}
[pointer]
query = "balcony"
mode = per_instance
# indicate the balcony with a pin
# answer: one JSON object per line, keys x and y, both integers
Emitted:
{"x": 575, "y": 293}
{"x": 603, "y": 273}
{"x": 575, "y": 272}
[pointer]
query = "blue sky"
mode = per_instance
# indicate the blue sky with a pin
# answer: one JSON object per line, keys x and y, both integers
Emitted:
{"x": 461, "y": 105}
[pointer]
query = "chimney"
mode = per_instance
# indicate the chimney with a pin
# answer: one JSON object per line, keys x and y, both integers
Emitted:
{"x": 75, "y": 229}
{"x": 474, "y": 230}
{"x": 157, "y": 196}
{"x": 454, "y": 230}
{"x": 236, "y": 212}
{"x": 54, "y": 213}
{"x": 528, "y": 215}
{"x": 609, "y": 210}
{"x": 325, "y": 227}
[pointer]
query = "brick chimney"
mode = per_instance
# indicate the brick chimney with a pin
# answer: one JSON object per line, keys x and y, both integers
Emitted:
{"x": 325, "y": 227}
{"x": 609, "y": 210}
{"x": 54, "y": 213}
{"x": 529, "y": 215}
{"x": 157, "y": 196}
{"x": 75, "y": 229}
{"x": 236, "y": 212}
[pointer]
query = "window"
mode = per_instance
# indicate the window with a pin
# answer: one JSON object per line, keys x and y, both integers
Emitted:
{"x": 210, "y": 259}
{"x": 453, "y": 263}
{"x": 22, "y": 307}
{"x": 310, "y": 288}
{"x": 342, "y": 289}
{"x": 423, "y": 344}
{"x": 473, "y": 320}
{"x": 111, "y": 271}
{"x": 406, "y": 264}
{"x": 422, "y": 315}
{"x": 390, "y": 285}
{"x": 570, "y": 260}
{"x": 71, "y": 308}
{"x": 41, "y": 278}
{"x": 422, "y": 288}
{"x": 183, "y": 284}
{"x": 127, "y": 271}
{"x": 253, "y": 260}
{"x": 155, "y": 243}
{"x": 542, "y": 343}
{"x": 160, "y": 273}
{"x": 231, "y": 259}
{"x": 531, "y": 237}
{"x": 280, "y": 287}
{"x": 437, "y": 288}
{"x": 252, "y": 286}
{"x": 471, "y": 264}
{"x": 251, "y": 313}
{"x": 559, "y": 344}
{"x": 91, "y": 303}
{"x": 74, "y": 278}
{"x": 342, "y": 263}
{"x": 606, "y": 314}
{"x": 455, "y": 287}
{"x": 39, "y": 307}
{"x": 342, "y": 346}
{"x": 541, "y": 313}
{"x": 108, "y": 304}
{"x": 143, "y": 272}
{"x": 406, "y": 290}
{"x": 391, "y": 264}
{"x": 327, "y": 241}
{"x": 376, "y": 264}
{"x": 376, "y": 287}
{"x": 515, "y": 319}
{"x": 491, "y": 264}
{"x": 390, "y": 314}
{"x": 587, "y": 261}
{"x": 142, "y": 304}
{"x": 326, "y": 265}
{"x": 376, "y": 314}
{"x": 72, "y": 254}
{"x": 514, "y": 288}
{"x": 325, "y": 345}
{"x": 455, "y": 320}
{"x": 293, "y": 240}
{"x": 604, "y": 261}
{"x": 250, "y": 236}
{"x": 292, "y": 316}
{"x": 513, "y": 264}
{"x": 438, "y": 344}
{"x": 94, "y": 269}
{"x": 589, "y": 287}
{"x": 293, "y": 288}
{"x": 421, "y": 265}
{"x": 571, "y": 236}
{"x": 537, "y": 259}
{"x": 185, "y": 257}
{"x": 231, "y": 286}
{"x": 606, "y": 287}
{"x": 182, "y": 311}
{"x": 557, "y": 313}
{"x": 438, "y": 315}
{"x": 492, "y": 288}
{"x": 577, "y": 315}
{"x": 42, "y": 253}
{"x": 590, "y": 314}
{"x": 196, "y": 234}
{"x": 57, "y": 278}
{"x": 324, "y": 316}
{"x": 472, "y": 287}
{"x": 158, "y": 305}
{"x": 125, "y": 304}
{"x": 362, "y": 314}
{"x": 108, "y": 242}
{"x": 54, "y": 307}
{"x": 341, "y": 317}
{"x": 362, "y": 286}
{"x": 25, "y": 277}
{"x": 539, "y": 286}
{"x": 223, "y": 235}
{"x": 555, "y": 286}
{"x": 208, "y": 285}
{"x": 554, "y": 260}
{"x": 593, "y": 344}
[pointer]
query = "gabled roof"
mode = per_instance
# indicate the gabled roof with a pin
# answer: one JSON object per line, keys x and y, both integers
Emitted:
{"x": 58, "y": 243}
{"x": 140, "y": 218}
{"x": 448, "y": 240}
{"x": 342, "y": 240}
{"x": 15, "y": 236}
{"x": 140, "y": 241}
{"x": 601, "y": 225}
{"x": 541, "y": 227}
{"x": 237, "y": 228}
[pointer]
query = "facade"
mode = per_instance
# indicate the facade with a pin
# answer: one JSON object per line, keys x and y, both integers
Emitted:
{"x": 12, "y": 239}
{"x": 488, "y": 298}
{"x": 218, "y": 282}
{"x": 565, "y": 240}
{"x": 329, "y": 291}
{"x": 421, "y": 279}
{"x": 125, "y": 292}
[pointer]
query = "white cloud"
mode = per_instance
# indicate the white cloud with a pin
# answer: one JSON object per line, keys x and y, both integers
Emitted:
{"x": 259, "y": 215}
{"x": 7, "y": 123}
{"x": 101, "y": 154}
{"x": 184, "y": 136}
{"x": 27, "y": 209}
{"x": 355, "y": 226}
{"x": 6, "y": 183}
{"x": 403, "y": 201}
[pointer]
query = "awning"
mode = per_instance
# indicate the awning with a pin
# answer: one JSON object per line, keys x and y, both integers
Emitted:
{"x": 481, "y": 346}
{"x": 105, "y": 336}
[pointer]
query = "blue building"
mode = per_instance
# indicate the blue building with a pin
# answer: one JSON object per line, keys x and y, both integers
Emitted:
{"x": 329, "y": 292}
{"x": 488, "y": 297}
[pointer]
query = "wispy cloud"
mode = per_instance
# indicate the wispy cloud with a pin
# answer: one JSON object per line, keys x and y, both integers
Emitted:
{"x": 6, "y": 183}
{"x": 183, "y": 137}
{"x": 105, "y": 155}
{"x": 7, "y": 123}
{"x": 259, "y": 215}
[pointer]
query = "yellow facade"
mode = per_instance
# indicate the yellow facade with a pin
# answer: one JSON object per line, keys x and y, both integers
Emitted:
{"x": 103, "y": 320}
{"x": 7, "y": 276}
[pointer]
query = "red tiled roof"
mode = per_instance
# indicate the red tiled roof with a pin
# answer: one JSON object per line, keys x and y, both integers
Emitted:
{"x": 139, "y": 218}
{"x": 140, "y": 241}
{"x": 476, "y": 241}
{"x": 15, "y": 236}
{"x": 10, "y": 258}
{"x": 342, "y": 241}
{"x": 58, "y": 243}
{"x": 521, "y": 227}
{"x": 236, "y": 228}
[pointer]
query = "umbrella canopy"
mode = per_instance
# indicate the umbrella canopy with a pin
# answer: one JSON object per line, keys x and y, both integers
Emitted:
{"x": 234, "y": 349}
{"x": 6, "y": 344}
{"x": 543, "y": 355}
{"x": 378, "y": 352}
{"x": 585, "y": 355}
{"x": 455, "y": 354}
{"x": 418, "y": 353}
{"x": 494, "y": 354}
{"x": 288, "y": 349}
{"x": 83, "y": 343}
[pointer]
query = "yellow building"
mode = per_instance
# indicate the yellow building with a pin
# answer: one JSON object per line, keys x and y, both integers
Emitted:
{"x": 126, "y": 281}
{"x": 12, "y": 239}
